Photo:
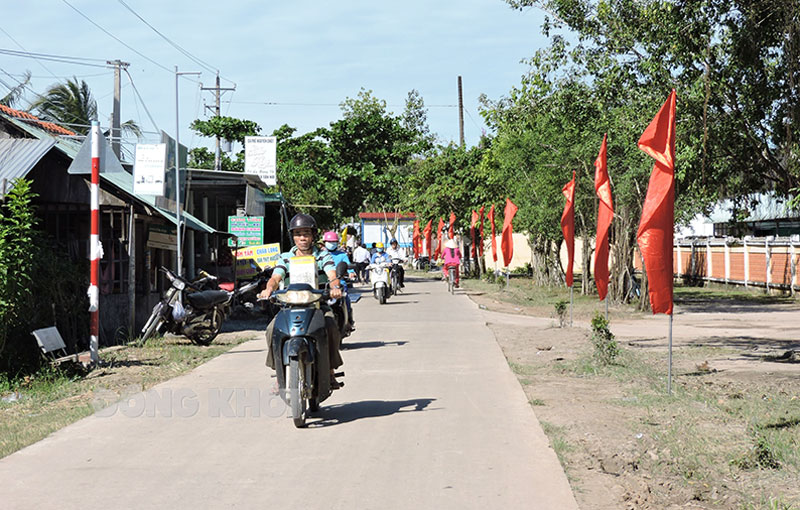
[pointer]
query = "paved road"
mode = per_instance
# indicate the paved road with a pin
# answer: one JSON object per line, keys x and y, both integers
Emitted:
{"x": 430, "y": 417}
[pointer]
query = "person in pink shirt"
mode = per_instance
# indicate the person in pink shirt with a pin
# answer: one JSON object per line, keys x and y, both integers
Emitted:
{"x": 452, "y": 258}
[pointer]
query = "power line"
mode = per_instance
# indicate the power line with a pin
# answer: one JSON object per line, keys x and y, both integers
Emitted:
{"x": 136, "y": 91}
{"x": 271, "y": 103}
{"x": 23, "y": 47}
{"x": 87, "y": 18}
{"x": 201, "y": 63}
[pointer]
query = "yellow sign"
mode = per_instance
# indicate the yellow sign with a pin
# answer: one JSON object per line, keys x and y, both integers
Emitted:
{"x": 303, "y": 270}
{"x": 253, "y": 259}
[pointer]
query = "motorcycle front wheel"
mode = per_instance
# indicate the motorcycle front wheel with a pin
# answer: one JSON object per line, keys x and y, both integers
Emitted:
{"x": 381, "y": 295}
{"x": 297, "y": 403}
{"x": 154, "y": 322}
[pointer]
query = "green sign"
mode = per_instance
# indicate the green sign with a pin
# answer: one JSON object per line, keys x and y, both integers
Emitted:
{"x": 249, "y": 230}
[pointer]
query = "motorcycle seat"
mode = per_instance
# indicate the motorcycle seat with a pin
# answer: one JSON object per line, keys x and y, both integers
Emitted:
{"x": 207, "y": 298}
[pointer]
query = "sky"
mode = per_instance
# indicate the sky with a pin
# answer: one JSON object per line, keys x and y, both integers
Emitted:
{"x": 304, "y": 56}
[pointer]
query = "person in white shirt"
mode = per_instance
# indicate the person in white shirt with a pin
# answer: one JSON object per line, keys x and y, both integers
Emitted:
{"x": 398, "y": 253}
{"x": 361, "y": 260}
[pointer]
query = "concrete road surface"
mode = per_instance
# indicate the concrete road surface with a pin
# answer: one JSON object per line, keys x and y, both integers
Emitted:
{"x": 430, "y": 417}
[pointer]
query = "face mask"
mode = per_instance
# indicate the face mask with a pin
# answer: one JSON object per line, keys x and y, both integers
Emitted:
{"x": 380, "y": 250}
{"x": 331, "y": 246}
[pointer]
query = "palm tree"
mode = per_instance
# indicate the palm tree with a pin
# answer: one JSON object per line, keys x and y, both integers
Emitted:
{"x": 72, "y": 104}
{"x": 15, "y": 93}
{"x": 69, "y": 103}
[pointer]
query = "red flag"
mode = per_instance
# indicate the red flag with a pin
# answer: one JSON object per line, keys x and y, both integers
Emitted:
{"x": 507, "y": 241}
{"x": 605, "y": 213}
{"x": 426, "y": 233}
{"x": 568, "y": 225}
{"x": 494, "y": 236}
{"x": 658, "y": 212}
{"x": 452, "y": 225}
{"x": 439, "y": 239}
{"x": 480, "y": 243}
{"x": 417, "y": 240}
{"x": 472, "y": 233}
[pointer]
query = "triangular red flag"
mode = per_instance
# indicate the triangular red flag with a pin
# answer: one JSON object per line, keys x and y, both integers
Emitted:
{"x": 568, "y": 225}
{"x": 494, "y": 235}
{"x": 656, "y": 227}
{"x": 605, "y": 213}
{"x": 472, "y": 224}
{"x": 507, "y": 240}
{"x": 452, "y": 231}
{"x": 426, "y": 234}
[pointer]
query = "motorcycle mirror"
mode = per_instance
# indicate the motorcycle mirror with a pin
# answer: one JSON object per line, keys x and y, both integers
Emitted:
{"x": 341, "y": 269}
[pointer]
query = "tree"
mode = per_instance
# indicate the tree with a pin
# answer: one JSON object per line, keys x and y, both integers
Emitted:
{"x": 228, "y": 128}
{"x": 15, "y": 93}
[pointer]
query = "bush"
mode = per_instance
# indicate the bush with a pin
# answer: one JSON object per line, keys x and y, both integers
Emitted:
{"x": 605, "y": 347}
{"x": 561, "y": 312}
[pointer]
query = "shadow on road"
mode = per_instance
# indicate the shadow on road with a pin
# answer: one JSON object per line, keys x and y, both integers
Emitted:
{"x": 344, "y": 413}
{"x": 367, "y": 345}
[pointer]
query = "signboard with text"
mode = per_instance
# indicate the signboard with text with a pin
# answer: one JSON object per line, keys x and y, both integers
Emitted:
{"x": 249, "y": 230}
{"x": 260, "y": 157}
{"x": 148, "y": 169}
{"x": 252, "y": 260}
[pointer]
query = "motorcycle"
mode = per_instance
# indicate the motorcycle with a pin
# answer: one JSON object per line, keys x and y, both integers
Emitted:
{"x": 300, "y": 341}
{"x": 379, "y": 277}
{"x": 394, "y": 275}
{"x": 339, "y": 306}
{"x": 187, "y": 309}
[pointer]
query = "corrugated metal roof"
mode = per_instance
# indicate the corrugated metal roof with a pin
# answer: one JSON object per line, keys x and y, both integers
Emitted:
{"x": 124, "y": 181}
{"x": 19, "y": 155}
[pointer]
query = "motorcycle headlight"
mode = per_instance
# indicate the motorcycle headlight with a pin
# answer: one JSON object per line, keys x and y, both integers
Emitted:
{"x": 178, "y": 284}
{"x": 298, "y": 297}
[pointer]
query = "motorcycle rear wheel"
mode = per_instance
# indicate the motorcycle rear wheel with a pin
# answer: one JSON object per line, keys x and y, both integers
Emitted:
{"x": 204, "y": 336}
{"x": 297, "y": 403}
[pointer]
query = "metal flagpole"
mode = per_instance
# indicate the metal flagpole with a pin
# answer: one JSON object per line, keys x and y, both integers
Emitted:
{"x": 570, "y": 305}
{"x": 606, "y": 300}
{"x": 94, "y": 247}
{"x": 669, "y": 368}
{"x": 178, "y": 170}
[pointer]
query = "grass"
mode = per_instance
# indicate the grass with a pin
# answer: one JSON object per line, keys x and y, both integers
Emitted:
{"x": 53, "y": 398}
{"x": 558, "y": 441}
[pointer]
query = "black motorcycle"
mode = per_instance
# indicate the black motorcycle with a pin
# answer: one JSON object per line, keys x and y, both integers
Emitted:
{"x": 190, "y": 308}
{"x": 300, "y": 349}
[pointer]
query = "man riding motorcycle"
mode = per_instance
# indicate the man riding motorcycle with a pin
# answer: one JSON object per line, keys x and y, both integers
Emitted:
{"x": 303, "y": 229}
{"x": 331, "y": 240}
{"x": 396, "y": 253}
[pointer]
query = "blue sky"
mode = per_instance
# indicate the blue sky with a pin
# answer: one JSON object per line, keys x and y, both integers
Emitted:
{"x": 307, "y": 55}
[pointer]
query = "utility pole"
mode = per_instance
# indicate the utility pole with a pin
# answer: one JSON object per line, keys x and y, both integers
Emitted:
{"x": 460, "y": 113}
{"x": 115, "y": 113}
{"x": 217, "y": 93}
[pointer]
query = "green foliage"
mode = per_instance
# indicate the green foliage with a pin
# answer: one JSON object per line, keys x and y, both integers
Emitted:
{"x": 606, "y": 349}
{"x": 70, "y": 102}
{"x": 227, "y": 128}
{"x": 28, "y": 302}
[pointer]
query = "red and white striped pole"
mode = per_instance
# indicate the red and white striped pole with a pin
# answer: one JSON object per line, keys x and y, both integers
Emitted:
{"x": 94, "y": 247}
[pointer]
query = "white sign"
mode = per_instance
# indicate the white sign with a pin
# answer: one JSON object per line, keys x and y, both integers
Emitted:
{"x": 259, "y": 158}
{"x": 148, "y": 169}
{"x": 303, "y": 270}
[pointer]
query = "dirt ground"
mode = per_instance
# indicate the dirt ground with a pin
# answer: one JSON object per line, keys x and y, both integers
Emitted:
{"x": 728, "y": 436}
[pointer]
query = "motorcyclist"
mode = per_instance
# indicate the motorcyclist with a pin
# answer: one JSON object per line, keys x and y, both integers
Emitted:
{"x": 331, "y": 240}
{"x": 396, "y": 253}
{"x": 380, "y": 255}
{"x": 303, "y": 229}
{"x": 452, "y": 258}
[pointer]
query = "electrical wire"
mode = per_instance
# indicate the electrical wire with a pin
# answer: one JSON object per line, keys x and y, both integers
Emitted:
{"x": 271, "y": 103}
{"x": 136, "y": 91}
{"x": 87, "y": 18}
{"x": 196, "y": 60}
{"x": 23, "y": 47}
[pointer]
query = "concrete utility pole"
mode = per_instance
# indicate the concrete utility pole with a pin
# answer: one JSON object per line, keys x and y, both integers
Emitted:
{"x": 460, "y": 114}
{"x": 115, "y": 113}
{"x": 217, "y": 93}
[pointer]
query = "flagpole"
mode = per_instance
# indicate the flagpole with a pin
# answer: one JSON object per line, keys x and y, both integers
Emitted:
{"x": 606, "y": 301}
{"x": 669, "y": 367}
{"x": 570, "y": 306}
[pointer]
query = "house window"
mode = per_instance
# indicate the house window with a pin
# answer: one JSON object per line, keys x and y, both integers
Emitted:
{"x": 114, "y": 263}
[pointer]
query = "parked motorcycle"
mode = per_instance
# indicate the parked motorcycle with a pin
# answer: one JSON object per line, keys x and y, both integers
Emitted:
{"x": 300, "y": 341}
{"x": 189, "y": 310}
{"x": 379, "y": 277}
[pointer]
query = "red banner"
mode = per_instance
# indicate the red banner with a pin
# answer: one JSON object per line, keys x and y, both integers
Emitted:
{"x": 605, "y": 213}
{"x": 472, "y": 233}
{"x": 657, "y": 225}
{"x": 439, "y": 239}
{"x": 507, "y": 240}
{"x": 416, "y": 241}
{"x": 480, "y": 241}
{"x": 426, "y": 234}
{"x": 494, "y": 236}
{"x": 568, "y": 225}
{"x": 452, "y": 231}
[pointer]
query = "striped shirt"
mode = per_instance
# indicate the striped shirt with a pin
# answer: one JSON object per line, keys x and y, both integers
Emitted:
{"x": 323, "y": 258}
